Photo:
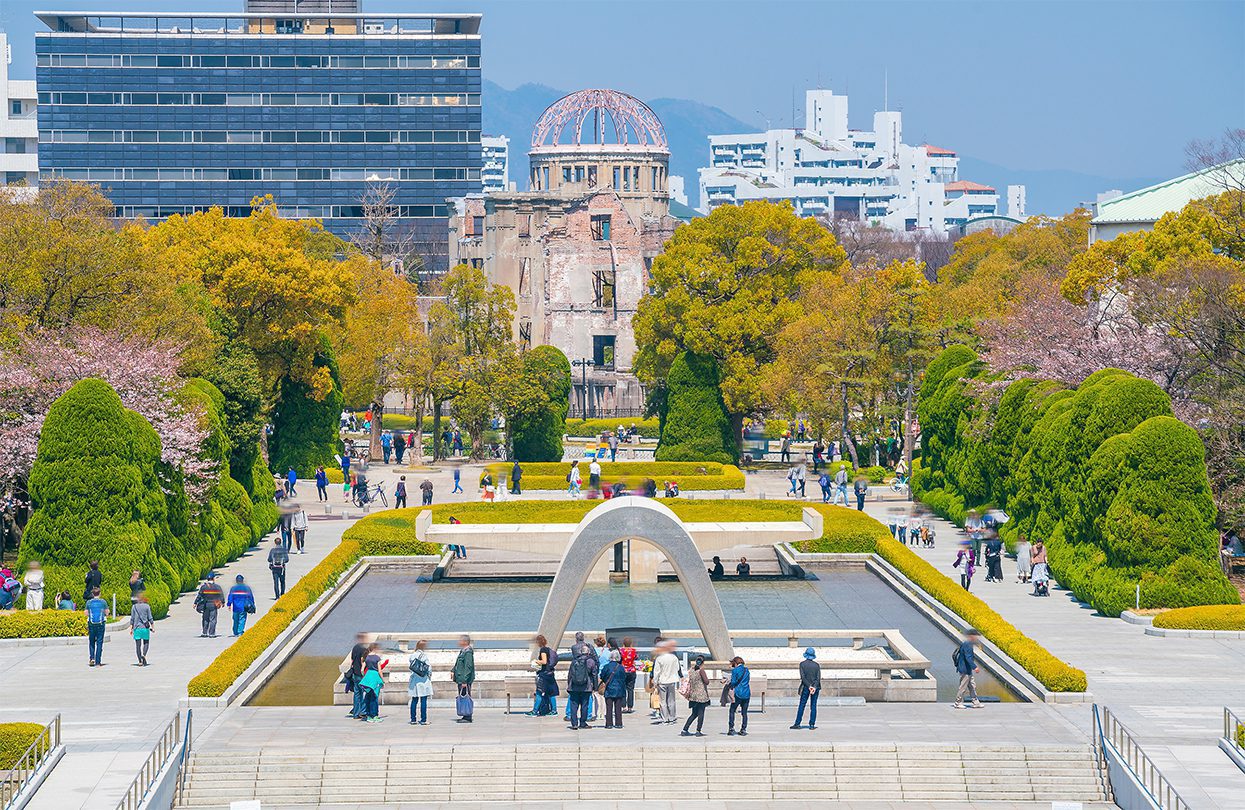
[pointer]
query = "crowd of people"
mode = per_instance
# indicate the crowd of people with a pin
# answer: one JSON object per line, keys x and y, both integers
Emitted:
{"x": 600, "y": 680}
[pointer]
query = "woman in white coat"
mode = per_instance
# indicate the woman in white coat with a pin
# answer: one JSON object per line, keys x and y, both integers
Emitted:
{"x": 34, "y": 586}
{"x": 419, "y": 688}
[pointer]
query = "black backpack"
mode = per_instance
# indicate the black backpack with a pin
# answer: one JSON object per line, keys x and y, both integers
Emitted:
{"x": 580, "y": 675}
{"x": 956, "y": 655}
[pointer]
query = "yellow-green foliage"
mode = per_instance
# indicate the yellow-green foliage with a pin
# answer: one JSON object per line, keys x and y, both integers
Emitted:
{"x": 591, "y": 428}
{"x": 847, "y": 530}
{"x": 42, "y": 624}
{"x": 1207, "y": 617}
{"x": 692, "y": 476}
{"x": 230, "y": 664}
{"x": 15, "y": 738}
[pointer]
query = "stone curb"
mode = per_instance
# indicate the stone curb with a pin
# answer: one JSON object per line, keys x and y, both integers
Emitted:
{"x": 1136, "y": 618}
{"x": 1173, "y": 633}
{"x": 60, "y": 641}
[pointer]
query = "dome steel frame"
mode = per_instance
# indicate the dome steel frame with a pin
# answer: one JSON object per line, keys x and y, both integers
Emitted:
{"x": 634, "y": 122}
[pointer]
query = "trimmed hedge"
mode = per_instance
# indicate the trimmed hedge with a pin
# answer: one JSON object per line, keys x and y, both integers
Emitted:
{"x": 15, "y": 738}
{"x": 394, "y": 525}
{"x": 1115, "y": 486}
{"x": 847, "y": 530}
{"x": 536, "y": 429}
{"x": 1205, "y": 617}
{"x": 43, "y": 624}
{"x": 696, "y": 426}
{"x": 691, "y": 476}
{"x": 648, "y": 428}
{"x": 304, "y": 426}
{"x": 230, "y": 664}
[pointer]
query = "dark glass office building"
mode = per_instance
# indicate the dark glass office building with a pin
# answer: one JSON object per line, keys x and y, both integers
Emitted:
{"x": 172, "y": 114}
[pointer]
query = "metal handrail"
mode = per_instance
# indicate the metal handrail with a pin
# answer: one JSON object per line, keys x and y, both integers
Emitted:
{"x": 1231, "y": 725}
{"x": 1110, "y": 730}
{"x": 29, "y": 763}
{"x": 186, "y": 741}
{"x": 155, "y": 762}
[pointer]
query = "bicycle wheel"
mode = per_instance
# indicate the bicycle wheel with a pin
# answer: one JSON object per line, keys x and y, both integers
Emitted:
{"x": 380, "y": 493}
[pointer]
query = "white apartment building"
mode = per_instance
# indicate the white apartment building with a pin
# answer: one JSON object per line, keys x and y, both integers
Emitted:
{"x": 829, "y": 169}
{"x": 495, "y": 163}
{"x": 19, "y": 127}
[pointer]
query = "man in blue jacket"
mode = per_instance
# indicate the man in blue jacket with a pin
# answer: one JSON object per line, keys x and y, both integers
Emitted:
{"x": 965, "y": 658}
{"x": 241, "y": 601}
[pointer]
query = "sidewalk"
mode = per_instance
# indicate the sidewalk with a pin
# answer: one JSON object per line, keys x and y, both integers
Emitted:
{"x": 112, "y": 716}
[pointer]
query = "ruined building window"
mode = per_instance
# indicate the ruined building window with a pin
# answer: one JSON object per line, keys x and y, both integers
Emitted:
{"x": 525, "y": 335}
{"x": 592, "y": 176}
{"x": 600, "y": 227}
{"x": 602, "y": 289}
{"x": 477, "y": 263}
{"x": 566, "y": 174}
{"x": 525, "y": 277}
{"x": 477, "y": 226}
{"x": 617, "y": 177}
{"x": 626, "y": 178}
{"x": 579, "y": 174}
{"x": 603, "y": 351}
{"x": 525, "y": 225}
{"x": 656, "y": 178}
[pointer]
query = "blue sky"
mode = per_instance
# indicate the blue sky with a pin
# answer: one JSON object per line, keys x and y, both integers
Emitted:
{"x": 1107, "y": 88}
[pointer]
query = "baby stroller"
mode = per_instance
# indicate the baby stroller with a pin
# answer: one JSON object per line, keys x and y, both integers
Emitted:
{"x": 1041, "y": 580}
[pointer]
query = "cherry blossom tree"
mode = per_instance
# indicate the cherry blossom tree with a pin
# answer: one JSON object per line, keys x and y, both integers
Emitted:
{"x": 41, "y": 366}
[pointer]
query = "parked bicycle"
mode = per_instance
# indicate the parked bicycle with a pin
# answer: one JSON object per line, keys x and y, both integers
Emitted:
{"x": 365, "y": 495}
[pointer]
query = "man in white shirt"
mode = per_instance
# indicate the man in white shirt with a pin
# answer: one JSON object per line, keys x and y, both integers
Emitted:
{"x": 594, "y": 476}
{"x": 666, "y": 677}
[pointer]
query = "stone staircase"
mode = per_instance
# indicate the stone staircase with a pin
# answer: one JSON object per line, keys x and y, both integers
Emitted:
{"x": 378, "y": 776}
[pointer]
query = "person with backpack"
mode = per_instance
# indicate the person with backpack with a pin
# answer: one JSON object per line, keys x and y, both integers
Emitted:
{"x": 965, "y": 659}
{"x": 810, "y": 689}
{"x": 419, "y": 687}
{"x": 697, "y": 694}
{"x": 823, "y": 481}
{"x": 399, "y": 493}
{"x": 97, "y": 613}
{"x": 278, "y": 559}
{"x": 464, "y": 674}
{"x": 208, "y": 601}
{"x": 546, "y": 662}
{"x": 322, "y": 483}
{"x": 242, "y": 602}
{"x": 94, "y": 579}
{"x": 840, "y": 482}
{"x": 10, "y": 590}
{"x": 613, "y": 689}
{"x": 142, "y": 623}
{"x": 581, "y": 682}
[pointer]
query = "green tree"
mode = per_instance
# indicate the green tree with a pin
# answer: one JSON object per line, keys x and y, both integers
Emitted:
{"x": 537, "y": 405}
{"x": 696, "y": 426}
{"x": 304, "y": 425}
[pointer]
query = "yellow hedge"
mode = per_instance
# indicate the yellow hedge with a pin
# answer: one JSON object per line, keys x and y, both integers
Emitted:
{"x": 234, "y": 660}
{"x": 15, "y": 738}
{"x": 1207, "y": 617}
{"x": 42, "y": 624}
{"x": 692, "y": 476}
{"x": 843, "y": 533}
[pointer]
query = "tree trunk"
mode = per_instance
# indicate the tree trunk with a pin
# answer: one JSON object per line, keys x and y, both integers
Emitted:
{"x": 847, "y": 433}
{"x": 436, "y": 430}
{"x": 378, "y": 419}
{"x": 418, "y": 447}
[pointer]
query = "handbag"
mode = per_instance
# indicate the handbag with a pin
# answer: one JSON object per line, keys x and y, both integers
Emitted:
{"x": 654, "y": 700}
{"x": 463, "y": 705}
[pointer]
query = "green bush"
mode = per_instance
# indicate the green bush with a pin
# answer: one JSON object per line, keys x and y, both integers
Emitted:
{"x": 304, "y": 425}
{"x": 536, "y": 429}
{"x": 89, "y": 487}
{"x": 1204, "y": 617}
{"x": 691, "y": 476}
{"x": 43, "y": 623}
{"x": 696, "y": 426}
{"x": 15, "y": 738}
{"x": 591, "y": 428}
{"x": 263, "y": 490}
{"x": 1103, "y": 473}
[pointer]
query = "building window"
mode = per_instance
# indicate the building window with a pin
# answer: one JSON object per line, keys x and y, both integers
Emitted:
{"x": 525, "y": 335}
{"x": 525, "y": 277}
{"x": 603, "y": 289}
{"x": 603, "y": 351}
{"x": 617, "y": 177}
{"x": 600, "y": 227}
{"x": 525, "y": 225}
{"x": 478, "y": 263}
{"x": 15, "y": 106}
{"x": 477, "y": 226}
{"x": 592, "y": 176}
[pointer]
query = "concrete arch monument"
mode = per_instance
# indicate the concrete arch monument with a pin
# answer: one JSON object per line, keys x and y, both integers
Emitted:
{"x": 631, "y": 517}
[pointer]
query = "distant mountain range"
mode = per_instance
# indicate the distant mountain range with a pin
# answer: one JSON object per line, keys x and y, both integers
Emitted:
{"x": 689, "y": 124}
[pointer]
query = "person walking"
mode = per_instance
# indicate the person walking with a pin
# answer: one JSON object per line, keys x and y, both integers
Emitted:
{"x": 594, "y": 477}
{"x": 823, "y": 481}
{"x": 137, "y": 585}
{"x": 291, "y": 479}
{"x": 399, "y": 446}
{"x": 94, "y": 581}
{"x": 784, "y": 449}
{"x": 810, "y": 689}
{"x": 516, "y": 476}
{"x": 740, "y": 690}
{"x": 386, "y": 446}
{"x": 581, "y": 682}
{"x": 419, "y": 687}
{"x": 322, "y": 483}
{"x": 97, "y": 613}
{"x": 285, "y": 524}
{"x": 399, "y": 493}
{"x": 278, "y": 559}
{"x": 966, "y": 561}
{"x": 573, "y": 479}
{"x": 458, "y": 484}
{"x": 613, "y": 443}
{"x": 793, "y": 478}
{"x": 208, "y": 601}
{"x": 614, "y": 681}
{"x": 142, "y": 623}
{"x": 298, "y": 525}
{"x": 840, "y": 482}
{"x": 241, "y": 602}
{"x": 1023, "y": 560}
{"x": 861, "y": 488}
{"x": 464, "y": 674}
{"x": 34, "y": 585}
{"x": 627, "y": 655}
{"x": 914, "y": 528}
{"x": 425, "y": 489}
{"x": 666, "y": 681}
{"x": 965, "y": 658}
{"x": 994, "y": 559}
{"x": 801, "y": 476}
{"x": 697, "y": 698}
